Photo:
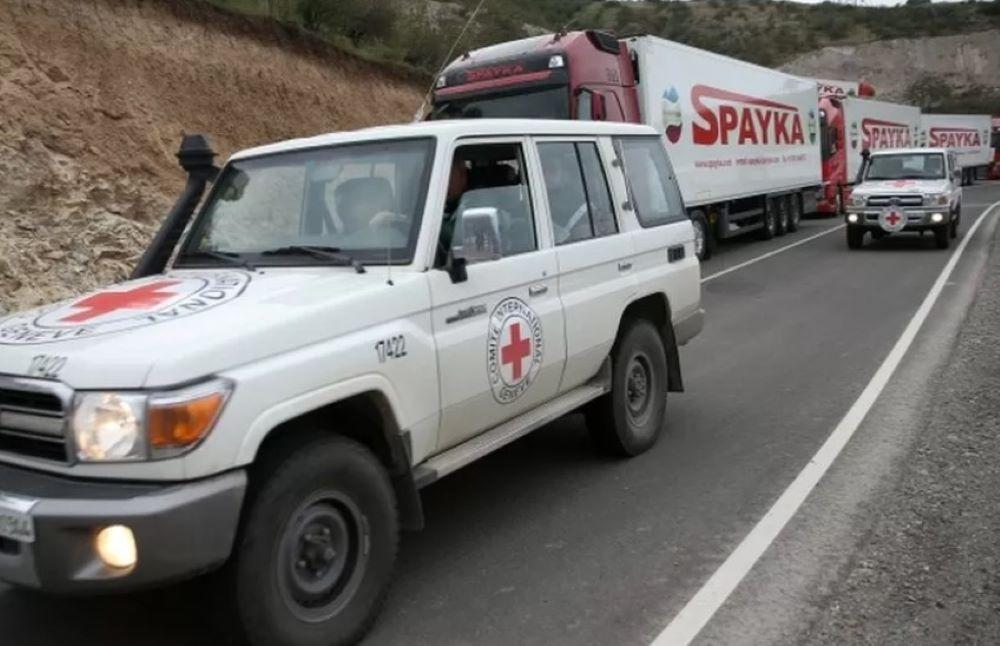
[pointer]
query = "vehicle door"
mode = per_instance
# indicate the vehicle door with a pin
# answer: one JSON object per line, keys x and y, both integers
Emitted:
{"x": 499, "y": 332}
{"x": 663, "y": 237}
{"x": 596, "y": 277}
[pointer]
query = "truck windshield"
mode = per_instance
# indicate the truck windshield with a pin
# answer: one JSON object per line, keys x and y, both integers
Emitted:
{"x": 354, "y": 203}
{"x": 549, "y": 103}
{"x": 906, "y": 166}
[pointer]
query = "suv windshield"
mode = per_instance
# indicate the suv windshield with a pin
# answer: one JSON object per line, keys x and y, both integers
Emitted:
{"x": 350, "y": 204}
{"x": 906, "y": 166}
{"x": 550, "y": 103}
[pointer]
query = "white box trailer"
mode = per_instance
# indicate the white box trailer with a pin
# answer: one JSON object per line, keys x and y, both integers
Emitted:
{"x": 967, "y": 135}
{"x": 742, "y": 138}
{"x": 876, "y": 125}
{"x": 829, "y": 87}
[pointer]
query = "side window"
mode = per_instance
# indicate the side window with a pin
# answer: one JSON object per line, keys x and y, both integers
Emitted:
{"x": 577, "y": 190}
{"x": 650, "y": 178}
{"x": 488, "y": 212}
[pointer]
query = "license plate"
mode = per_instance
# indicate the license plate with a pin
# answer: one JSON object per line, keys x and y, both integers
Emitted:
{"x": 16, "y": 522}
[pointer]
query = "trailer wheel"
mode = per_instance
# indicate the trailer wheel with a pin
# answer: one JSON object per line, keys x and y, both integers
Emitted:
{"x": 703, "y": 240}
{"x": 770, "y": 227}
{"x": 855, "y": 237}
{"x": 317, "y": 548}
{"x": 781, "y": 217}
{"x": 794, "y": 212}
{"x": 628, "y": 420}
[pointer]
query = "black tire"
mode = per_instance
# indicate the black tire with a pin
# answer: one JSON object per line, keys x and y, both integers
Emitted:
{"x": 628, "y": 420}
{"x": 956, "y": 221}
{"x": 838, "y": 204}
{"x": 701, "y": 228}
{"x": 781, "y": 216}
{"x": 855, "y": 237}
{"x": 317, "y": 547}
{"x": 942, "y": 236}
{"x": 794, "y": 212}
{"x": 770, "y": 227}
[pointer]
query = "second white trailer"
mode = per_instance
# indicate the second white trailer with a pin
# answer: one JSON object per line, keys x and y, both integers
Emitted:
{"x": 877, "y": 125}
{"x": 967, "y": 135}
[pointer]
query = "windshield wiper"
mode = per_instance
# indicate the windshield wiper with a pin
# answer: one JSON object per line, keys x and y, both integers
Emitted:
{"x": 324, "y": 253}
{"x": 230, "y": 258}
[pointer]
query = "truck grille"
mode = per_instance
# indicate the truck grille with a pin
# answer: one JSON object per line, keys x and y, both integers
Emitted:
{"x": 904, "y": 200}
{"x": 33, "y": 419}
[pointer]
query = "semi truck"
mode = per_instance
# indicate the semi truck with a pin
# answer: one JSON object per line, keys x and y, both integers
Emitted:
{"x": 967, "y": 135}
{"x": 743, "y": 139}
{"x": 852, "y": 125}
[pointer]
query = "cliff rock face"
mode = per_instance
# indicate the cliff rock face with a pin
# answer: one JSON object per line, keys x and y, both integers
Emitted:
{"x": 892, "y": 66}
{"x": 94, "y": 97}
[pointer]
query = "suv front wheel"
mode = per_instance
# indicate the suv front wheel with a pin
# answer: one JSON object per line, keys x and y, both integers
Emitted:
{"x": 317, "y": 548}
{"x": 628, "y": 420}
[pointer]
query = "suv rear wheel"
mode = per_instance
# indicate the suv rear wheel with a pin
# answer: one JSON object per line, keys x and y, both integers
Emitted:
{"x": 628, "y": 420}
{"x": 316, "y": 552}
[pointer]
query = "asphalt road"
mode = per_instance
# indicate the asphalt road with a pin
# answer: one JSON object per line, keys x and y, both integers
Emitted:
{"x": 546, "y": 542}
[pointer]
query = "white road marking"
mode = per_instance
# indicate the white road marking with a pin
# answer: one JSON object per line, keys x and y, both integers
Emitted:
{"x": 686, "y": 625}
{"x": 772, "y": 253}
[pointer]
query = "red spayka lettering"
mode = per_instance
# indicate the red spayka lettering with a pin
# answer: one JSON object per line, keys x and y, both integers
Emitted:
{"x": 743, "y": 120}
{"x": 880, "y": 134}
{"x": 954, "y": 138}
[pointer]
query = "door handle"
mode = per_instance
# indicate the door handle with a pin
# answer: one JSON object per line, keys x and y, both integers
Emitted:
{"x": 624, "y": 266}
{"x": 466, "y": 313}
{"x": 537, "y": 290}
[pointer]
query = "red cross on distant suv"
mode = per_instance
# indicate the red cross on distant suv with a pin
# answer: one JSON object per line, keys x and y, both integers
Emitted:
{"x": 140, "y": 298}
{"x": 518, "y": 350}
{"x": 892, "y": 218}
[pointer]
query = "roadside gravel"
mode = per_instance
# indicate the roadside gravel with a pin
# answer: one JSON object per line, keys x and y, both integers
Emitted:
{"x": 928, "y": 571}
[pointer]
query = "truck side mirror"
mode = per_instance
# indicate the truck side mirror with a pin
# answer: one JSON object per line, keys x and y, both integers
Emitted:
{"x": 597, "y": 108}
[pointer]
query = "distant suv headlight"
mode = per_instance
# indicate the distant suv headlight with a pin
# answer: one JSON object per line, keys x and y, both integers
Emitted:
{"x": 858, "y": 200}
{"x": 129, "y": 426}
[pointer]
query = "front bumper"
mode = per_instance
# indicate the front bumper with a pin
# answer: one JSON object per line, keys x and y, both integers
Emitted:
{"x": 180, "y": 530}
{"x": 917, "y": 219}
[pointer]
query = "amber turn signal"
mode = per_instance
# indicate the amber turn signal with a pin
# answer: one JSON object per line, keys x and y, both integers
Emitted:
{"x": 181, "y": 424}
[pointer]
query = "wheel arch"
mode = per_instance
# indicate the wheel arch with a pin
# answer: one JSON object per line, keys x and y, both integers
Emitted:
{"x": 655, "y": 307}
{"x": 366, "y": 416}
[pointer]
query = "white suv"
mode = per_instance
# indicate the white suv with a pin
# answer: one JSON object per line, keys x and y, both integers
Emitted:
{"x": 348, "y": 318}
{"x": 913, "y": 189}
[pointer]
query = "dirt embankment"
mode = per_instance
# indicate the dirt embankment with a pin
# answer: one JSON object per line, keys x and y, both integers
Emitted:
{"x": 94, "y": 96}
{"x": 962, "y": 62}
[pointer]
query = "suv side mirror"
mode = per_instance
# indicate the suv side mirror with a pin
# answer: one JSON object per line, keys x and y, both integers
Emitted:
{"x": 477, "y": 235}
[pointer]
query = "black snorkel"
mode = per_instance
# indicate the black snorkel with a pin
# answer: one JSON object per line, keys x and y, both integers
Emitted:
{"x": 196, "y": 158}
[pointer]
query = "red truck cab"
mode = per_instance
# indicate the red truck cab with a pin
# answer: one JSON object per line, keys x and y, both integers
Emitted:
{"x": 576, "y": 75}
{"x": 995, "y": 144}
{"x": 833, "y": 133}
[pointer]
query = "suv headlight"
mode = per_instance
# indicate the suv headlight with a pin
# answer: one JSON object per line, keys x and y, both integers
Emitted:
{"x": 129, "y": 426}
{"x": 858, "y": 200}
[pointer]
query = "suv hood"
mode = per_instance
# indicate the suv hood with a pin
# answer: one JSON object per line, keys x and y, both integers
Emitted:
{"x": 187, "y": 324}
{"x": 901, "y": 187}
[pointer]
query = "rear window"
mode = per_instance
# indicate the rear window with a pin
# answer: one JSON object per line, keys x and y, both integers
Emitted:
{"x": 651, "y": 181}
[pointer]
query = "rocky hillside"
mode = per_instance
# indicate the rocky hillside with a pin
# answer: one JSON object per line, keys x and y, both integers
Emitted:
{"x": 95, "y": 95}
{"x": 943, "y": 73}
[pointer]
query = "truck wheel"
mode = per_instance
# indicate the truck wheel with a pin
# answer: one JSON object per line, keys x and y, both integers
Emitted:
{"x": 627, "y": 421}
{"x": 770, "y": 221}
{"x": 316, "y": 552}
{"x": 855, "y": 237}
{"x": 781, "y": 217}
{"x": 794, "y": 213}
{"x": 703, "y": 241}
{"x": 942, "y": 236}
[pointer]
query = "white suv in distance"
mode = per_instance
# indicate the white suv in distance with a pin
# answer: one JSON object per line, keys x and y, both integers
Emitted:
{"x": 913, "y": 189}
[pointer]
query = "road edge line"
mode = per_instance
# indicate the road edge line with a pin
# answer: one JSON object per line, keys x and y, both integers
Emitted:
{"x": 700, "y": 609}
{"x": 772, "y": 253}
